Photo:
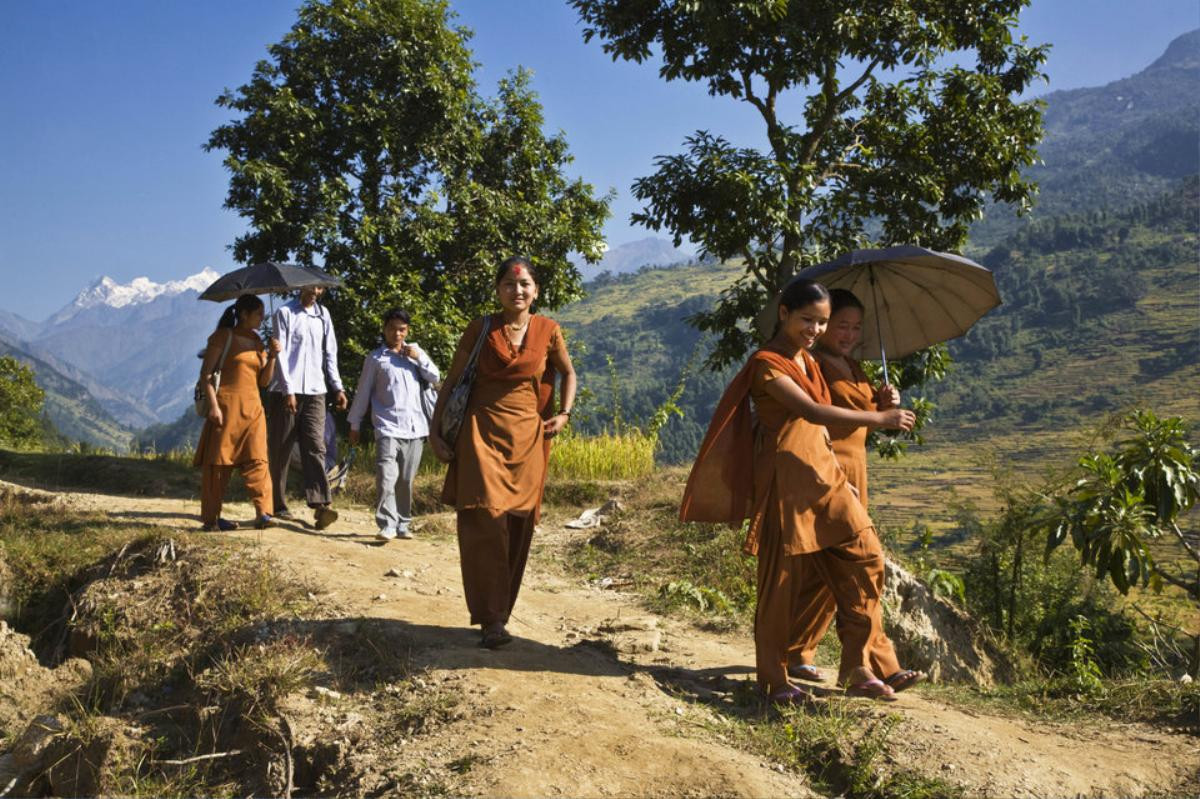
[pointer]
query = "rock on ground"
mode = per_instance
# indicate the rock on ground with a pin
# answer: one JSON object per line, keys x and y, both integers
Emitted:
{"x": 933, "y": 635}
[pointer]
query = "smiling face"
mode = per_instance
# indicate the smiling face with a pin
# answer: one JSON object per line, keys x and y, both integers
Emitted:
{"x": 516, "y": 289}
{"x": 802, "y": 326}
{"x": 845, "y": 331}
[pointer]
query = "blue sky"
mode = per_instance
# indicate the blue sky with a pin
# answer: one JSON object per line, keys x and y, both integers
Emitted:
{"x": 106, "y": 106}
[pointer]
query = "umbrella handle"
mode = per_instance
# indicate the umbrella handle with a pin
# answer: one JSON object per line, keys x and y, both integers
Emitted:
{"x": 879, "y": 323}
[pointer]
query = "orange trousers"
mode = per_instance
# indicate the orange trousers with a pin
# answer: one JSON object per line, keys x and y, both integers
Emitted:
{"x": 818, "y": 608}
{"x": 493, "y": 547}
{"x": 215, "y": 479}
{"x": 790, "y": 586}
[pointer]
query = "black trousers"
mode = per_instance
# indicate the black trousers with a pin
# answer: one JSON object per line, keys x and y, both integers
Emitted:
{"x": 284, "y": 429}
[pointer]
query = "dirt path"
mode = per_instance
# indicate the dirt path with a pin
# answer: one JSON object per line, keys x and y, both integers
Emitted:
{"x": 565, "y": 713}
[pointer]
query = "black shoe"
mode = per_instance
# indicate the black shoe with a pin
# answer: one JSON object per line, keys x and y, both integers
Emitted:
{"x": 495, "y": 636}
{"x": 324, "y": 516}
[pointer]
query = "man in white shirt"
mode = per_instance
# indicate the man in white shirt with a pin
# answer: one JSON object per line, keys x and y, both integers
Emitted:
{"x": 296, "y": 403}
{"x": 392, "y": 382}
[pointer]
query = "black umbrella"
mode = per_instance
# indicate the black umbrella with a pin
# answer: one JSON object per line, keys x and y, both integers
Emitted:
{"x": 914, "y": 297}
{"x": 269, "y": 277}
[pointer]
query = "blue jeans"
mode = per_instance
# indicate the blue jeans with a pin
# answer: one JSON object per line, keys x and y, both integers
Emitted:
{"x": 396, "y": 462}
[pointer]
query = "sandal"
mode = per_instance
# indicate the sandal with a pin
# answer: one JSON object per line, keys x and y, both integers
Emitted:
{"x": 792, "y": 695}
{"x": 872, "y": 689}
{"x": 222, "y": 526}
{"x": 805, "y": 671}
{"x": 495, "y": 637}
{"x": 904, "y": 679}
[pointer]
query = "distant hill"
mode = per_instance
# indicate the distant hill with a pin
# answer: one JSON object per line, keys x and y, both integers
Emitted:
{"x": 633, "y": 255}
{"x": 72, "y": 409}
{"x": 1113, "y": 146}
{"x": 1100, "y": 313}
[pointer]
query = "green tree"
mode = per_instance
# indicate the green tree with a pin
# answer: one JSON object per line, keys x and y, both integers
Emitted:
{"x": 1133, "y": 497}
{"x": 20, "y": 404}
{"x": 362, "y": 144}
{"x": 910, "y": 125}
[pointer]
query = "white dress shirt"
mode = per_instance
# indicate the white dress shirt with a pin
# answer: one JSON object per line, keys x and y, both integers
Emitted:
{"x": 309, "y": 351}
{"x": 391, "y": 385}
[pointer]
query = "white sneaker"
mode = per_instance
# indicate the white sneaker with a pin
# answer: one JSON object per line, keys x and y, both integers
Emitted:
{"x": 404, "y": 533}
{"x": 386, "y": 534}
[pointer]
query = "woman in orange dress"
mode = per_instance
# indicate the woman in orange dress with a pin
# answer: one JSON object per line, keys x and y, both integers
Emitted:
{"x": 849, "y": 388}
{"x": 235, "y": 432}
{"x": 498, "y": 461}
{"x": 772, "y": 464}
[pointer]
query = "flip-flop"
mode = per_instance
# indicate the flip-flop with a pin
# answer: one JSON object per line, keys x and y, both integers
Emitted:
{"x": 872, "y": 689}
{"x": 792, "y": 695}
{"x": 805, "y": 671}
{"x": 904, "y": 679}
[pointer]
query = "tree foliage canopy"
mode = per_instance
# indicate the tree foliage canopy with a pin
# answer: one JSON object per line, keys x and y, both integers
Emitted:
{"x": 20, "y": 404}
{"x": 910, "y": 124}
{"x": 363, "y": 144}
{"x": 1130, "y": 497}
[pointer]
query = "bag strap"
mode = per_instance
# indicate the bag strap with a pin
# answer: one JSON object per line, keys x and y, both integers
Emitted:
{"x": 225, "y": 351}
{"x": 469, "y": 370}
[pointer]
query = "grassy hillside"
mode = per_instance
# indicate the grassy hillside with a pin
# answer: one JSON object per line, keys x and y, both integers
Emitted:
{"x": 1100, "y": 315}
{"x": 74, "y": 412}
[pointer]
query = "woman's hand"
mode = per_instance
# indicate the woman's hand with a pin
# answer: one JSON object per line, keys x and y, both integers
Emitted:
{"x": 887, "y": 397}
{"x": 441, "y": 450}
{"x": 274, "y": 347}
{"x": 897, "y": 419}
{"x": 214, "y": 415}
{"x": 555, "y": 424}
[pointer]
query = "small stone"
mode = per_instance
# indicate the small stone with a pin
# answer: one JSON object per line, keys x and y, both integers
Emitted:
{"x": 393, "y": 572}
{"x": 379, "y": 597}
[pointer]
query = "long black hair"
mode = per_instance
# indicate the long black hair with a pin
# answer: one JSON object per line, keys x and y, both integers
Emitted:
{"x": 245, "y": 304}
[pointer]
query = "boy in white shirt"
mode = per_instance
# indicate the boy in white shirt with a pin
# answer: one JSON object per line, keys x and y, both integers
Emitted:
{"x": 392, "y": 381}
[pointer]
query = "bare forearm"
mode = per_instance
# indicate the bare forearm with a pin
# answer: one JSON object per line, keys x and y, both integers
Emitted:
{"x": 569, "y": 384}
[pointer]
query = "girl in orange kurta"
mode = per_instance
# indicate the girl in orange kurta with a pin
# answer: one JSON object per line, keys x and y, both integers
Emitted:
{"x": 849, "y": 388}
{"x": 235, "y": 432}
{"x": 498, "y": 462}
{"x": 776, "y": 468}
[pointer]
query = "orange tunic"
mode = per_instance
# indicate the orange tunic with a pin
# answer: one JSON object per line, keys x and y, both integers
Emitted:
{"x": 243, "y": 437}
{"x": 775, "y": 464}
{"x": 500, "y": 455}
{"x": 849, "y": 441}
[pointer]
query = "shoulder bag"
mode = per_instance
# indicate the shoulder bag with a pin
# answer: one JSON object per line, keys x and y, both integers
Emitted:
{"x": 200, "y": 396}
{"x": 456, "y": 404}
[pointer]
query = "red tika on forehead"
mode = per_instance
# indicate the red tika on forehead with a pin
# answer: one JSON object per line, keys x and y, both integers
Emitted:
{"x": 517, "y": 270}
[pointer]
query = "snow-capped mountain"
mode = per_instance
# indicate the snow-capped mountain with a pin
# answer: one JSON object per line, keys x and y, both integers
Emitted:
{"x": 108, "y": 292}
{"x": 135, "y": 342}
